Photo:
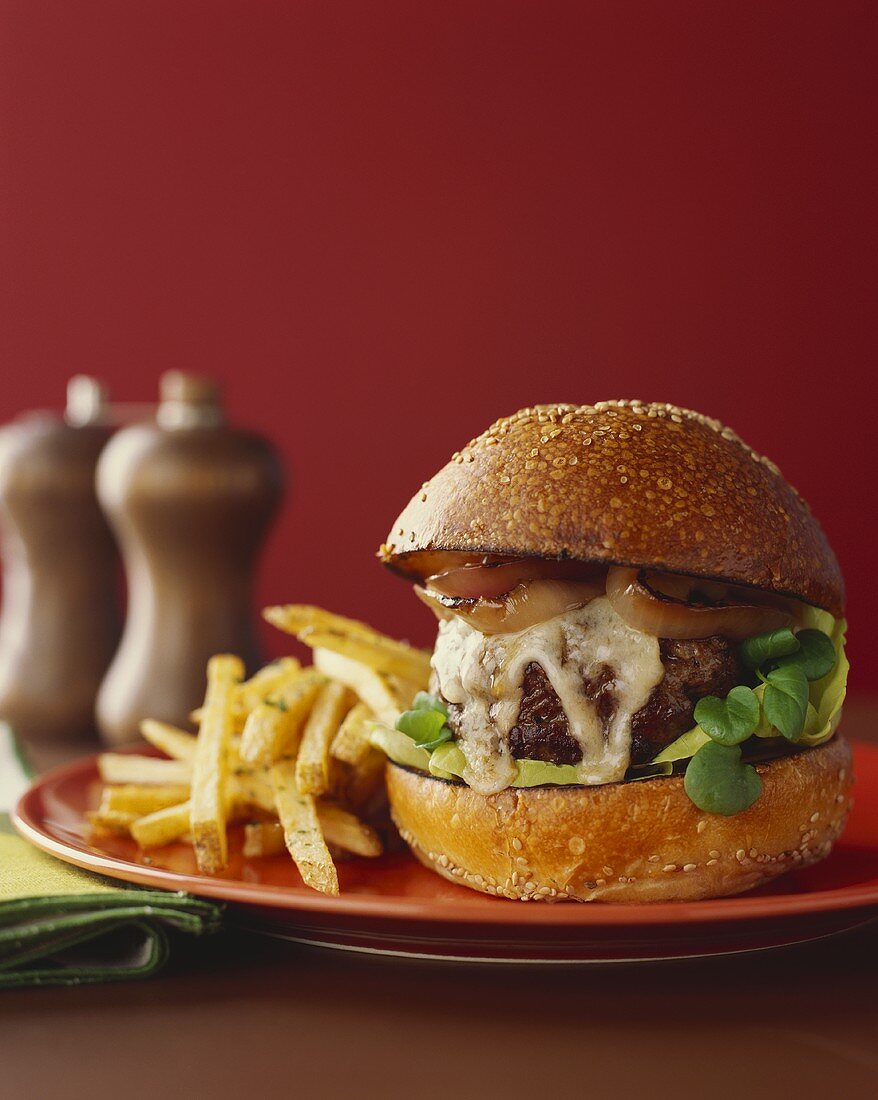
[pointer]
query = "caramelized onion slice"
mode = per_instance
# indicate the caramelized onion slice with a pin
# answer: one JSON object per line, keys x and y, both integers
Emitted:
{"x": 645, "y": 609}
{"x": 482, "y": 579}
{"x": 529, "y": 603}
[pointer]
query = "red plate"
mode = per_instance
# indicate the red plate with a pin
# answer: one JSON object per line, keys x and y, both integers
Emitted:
{"x": 394, "y": 905}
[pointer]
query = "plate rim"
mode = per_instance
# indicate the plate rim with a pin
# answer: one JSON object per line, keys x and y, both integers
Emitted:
{"x": 464, "y": 910}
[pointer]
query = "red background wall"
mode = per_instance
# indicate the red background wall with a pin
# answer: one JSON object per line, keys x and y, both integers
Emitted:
{"x": 385, "y": 224}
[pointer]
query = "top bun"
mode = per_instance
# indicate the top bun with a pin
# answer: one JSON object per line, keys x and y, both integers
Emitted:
{"x": 622, "y": 482}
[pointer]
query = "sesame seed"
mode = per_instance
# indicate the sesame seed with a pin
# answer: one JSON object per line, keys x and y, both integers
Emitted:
{"x": 713, "y": 853}
{"x": 711, "y": 862}
{"x": 516, "y": 844}
{"x": 689, "y": 866}
{"x": 654, "y": 859}
{"x": 815, "y": 816}
{"x": 740, "y": 854}
{"x": 670, "y": 867}
{"x": 752, "y": 853}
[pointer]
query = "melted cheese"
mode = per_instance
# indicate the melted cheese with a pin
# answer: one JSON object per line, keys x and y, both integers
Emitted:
{"x": 483, "y": 675}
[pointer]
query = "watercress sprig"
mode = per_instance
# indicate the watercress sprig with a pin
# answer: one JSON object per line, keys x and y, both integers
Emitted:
{"x": 426, "y": 722}
{"x": 731, "y": 720}
{"x": 815, "y": 656}
{"x": 785, "y": 700}
{"x": 718, "y": 782}
{"x": 758, "y": 651}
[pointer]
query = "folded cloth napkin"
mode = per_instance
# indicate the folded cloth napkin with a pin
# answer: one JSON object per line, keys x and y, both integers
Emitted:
{"x": 63, "y": 926}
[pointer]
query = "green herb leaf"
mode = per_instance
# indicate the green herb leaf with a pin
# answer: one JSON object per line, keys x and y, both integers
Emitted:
{"x": 444, "y": 735}
{"x": 718, "y": 783}
{"x": 425, "y": 724}
{"x": 421, "y": 725}
{"x": 768, "y": 647}
{"x": 731, "y": 720}
{"x": 816, "y": 655}
{"x": 785, "y": 700}
{"x": 425, "y": 701}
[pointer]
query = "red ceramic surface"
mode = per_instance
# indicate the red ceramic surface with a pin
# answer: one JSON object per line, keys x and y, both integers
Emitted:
{"x": 393, "y": 904}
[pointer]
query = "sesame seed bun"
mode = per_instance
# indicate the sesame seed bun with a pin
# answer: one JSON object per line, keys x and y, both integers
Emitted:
{"x": 622, "y": 482}
{"x": 624, "y": 842}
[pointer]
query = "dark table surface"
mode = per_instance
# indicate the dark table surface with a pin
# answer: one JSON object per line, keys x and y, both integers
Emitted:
{"x": 247, "y": 1016}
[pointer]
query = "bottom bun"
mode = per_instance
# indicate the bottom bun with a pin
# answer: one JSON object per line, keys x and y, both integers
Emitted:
{"x": 624, "y": 842}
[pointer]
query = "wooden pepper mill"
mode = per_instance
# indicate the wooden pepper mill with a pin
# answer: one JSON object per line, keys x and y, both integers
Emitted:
{"x": 190, "y": 499}
{"x": 60, "y": 622}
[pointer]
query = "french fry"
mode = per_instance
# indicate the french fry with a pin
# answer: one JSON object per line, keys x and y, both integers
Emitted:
{"x": 321, "y": 629}
{"x": 312, "y": 765}
{"x": 247, "y": 786}
{"x": 112, "y": 822}
{"x": 302, "y": 835}
{"x": 265, "y": 683}
{"x": 345, "y": 830}
{"x": 252, "y": 787}
{"x": 210, "y": 765}
{"x": 263, "y": 838}
{"x": 262, "y": 684}
{"x": 395, "y": 658}
{"x": 274, "y": 728}
{"x": 267, "y": 730}
{"x": 294, "y": 618}
{"x": 340, "y": 828}
{"x": 162, "y": 827}
{"x": 173, "y": 742}
{"x": 118, "y": 767}
{"x": 138, "y": 799}
{"x": 385, "y": 695}
{"x": 352, "y": 743}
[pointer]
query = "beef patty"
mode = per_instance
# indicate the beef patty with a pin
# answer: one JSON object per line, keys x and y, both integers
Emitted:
{"x": 693, "y": 668}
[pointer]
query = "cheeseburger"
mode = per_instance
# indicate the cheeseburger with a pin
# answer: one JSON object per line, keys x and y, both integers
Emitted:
{"x": 639, "y": 669}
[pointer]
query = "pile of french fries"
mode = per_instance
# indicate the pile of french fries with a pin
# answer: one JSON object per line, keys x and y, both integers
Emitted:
{"x": 286, "y": 752}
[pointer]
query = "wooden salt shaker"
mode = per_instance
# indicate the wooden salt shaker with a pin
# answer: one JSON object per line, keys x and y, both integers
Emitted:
{"x": 60, "y": 622}
{"x": 190, "y": 499}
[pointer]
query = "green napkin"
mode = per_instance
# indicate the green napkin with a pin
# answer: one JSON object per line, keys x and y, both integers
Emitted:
{"x": 63, "y": 926}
